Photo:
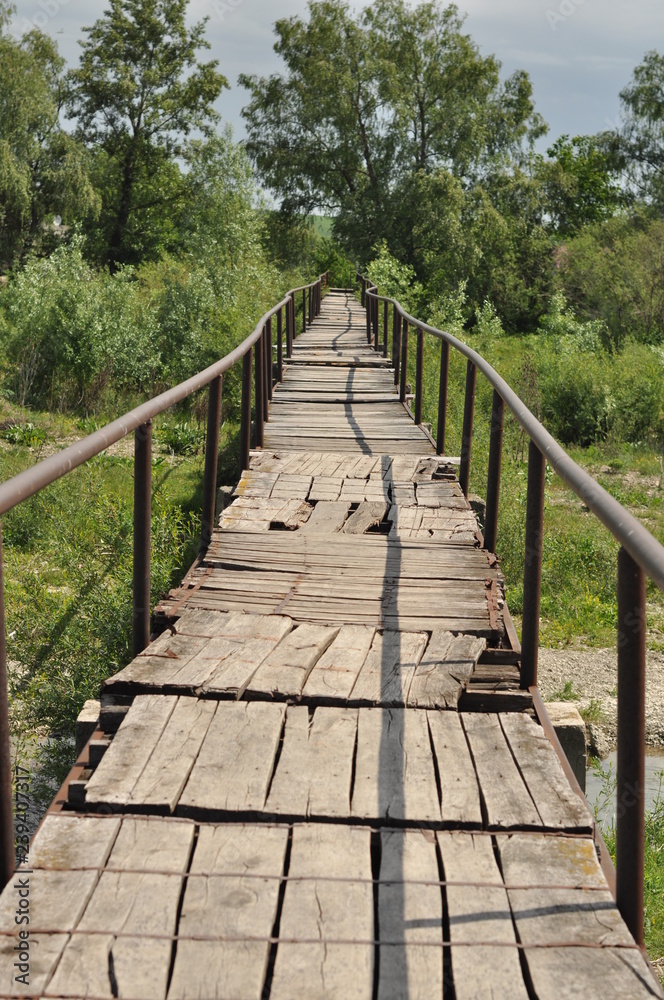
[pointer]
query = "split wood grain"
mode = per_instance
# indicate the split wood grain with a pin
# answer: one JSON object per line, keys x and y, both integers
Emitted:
{"x": 558, "y": 805}
{"x": 233, "y": 769}
{"x": 126, "y": 759}
{"x": 387, "y": 673}
{"x": 506, "y": 798}
{"x": 327, "y": 517}
{"x": 218, "y": 899}
{"x": 459, "y": 788}
{"x": 319, "y": 907}
{"x": 286, "y": 669}
{"x": 412, "y": 913}
{"x": 335, "y": 673}
{"x": 314, "y": 774}
{"x": 444, "y": 670}
{"x": 479, "y": 917}
{"x": 394, "y": 773}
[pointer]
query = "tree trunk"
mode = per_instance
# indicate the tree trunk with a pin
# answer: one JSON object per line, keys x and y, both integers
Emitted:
{"x": 115, "y": 249}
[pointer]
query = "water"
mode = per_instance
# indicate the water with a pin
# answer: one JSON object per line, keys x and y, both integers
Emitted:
{"x": 654, "y": 768}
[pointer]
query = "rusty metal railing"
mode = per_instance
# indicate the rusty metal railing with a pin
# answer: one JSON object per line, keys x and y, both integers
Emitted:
{"x": 257, "y": 346}
{"x": 640, "y": 555}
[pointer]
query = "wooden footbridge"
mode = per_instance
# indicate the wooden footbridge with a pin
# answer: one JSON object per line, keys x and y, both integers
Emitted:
{"x": 330, "y": 774}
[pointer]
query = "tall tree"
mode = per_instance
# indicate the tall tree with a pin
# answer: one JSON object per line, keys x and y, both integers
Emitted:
{"x": 368, "y": 101}
{"x": 640, "y": 141}
{"x": 43, "y": 170}
{"x": 137, "y": 95}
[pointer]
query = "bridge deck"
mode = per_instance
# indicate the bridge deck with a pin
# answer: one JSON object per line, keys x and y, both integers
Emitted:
{"x": 322, "y": 780}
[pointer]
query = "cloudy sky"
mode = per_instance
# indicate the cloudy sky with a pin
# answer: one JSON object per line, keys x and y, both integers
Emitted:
{"x": 579, "y": 53}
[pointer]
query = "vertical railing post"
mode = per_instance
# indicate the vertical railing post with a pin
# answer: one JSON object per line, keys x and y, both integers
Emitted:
{"x": 211, "y": 461}
{"x": 280, "y": 345}
{"x": 419, "y": 376}
{"x": 375, "y": 312}
{"x": 396, "y": 342}
{"x": 7, "y": 857}
{"x": 630, "y": 822}
{"x": 245, "y": 413}
{"x": 442, "y": 396}
{"x": 268, "y": 355}
{"x": 532, "y": 572}
{"x": 367, "y": 313}
{"x": 290, "y": 327}
{"x": 467, "y": 432}
{"x": 258, "y": 392}
{"x": 142, "y": 526}
{"x": 403, "y": 360}
{"x": 304, "y": 310}
{"x": 493, "y": 478}
{"x": 385, "y": 328}
{"x": 364, "y": 290}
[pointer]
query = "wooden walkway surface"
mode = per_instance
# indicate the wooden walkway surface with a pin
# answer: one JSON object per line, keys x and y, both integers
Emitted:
{"x": 321, "y": 780}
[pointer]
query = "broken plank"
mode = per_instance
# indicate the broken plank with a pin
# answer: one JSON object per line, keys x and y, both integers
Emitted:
{"x": 336, "y": 671}
{"x": 286, "y": 669}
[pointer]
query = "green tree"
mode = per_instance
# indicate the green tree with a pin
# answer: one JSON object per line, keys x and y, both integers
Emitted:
{"x": 579, "y": 182}
{"x": 43, "y": 170}
{"x": 368, "y": 102}
{"x": 639, "y": 144}
{"x": 137, "y": 95}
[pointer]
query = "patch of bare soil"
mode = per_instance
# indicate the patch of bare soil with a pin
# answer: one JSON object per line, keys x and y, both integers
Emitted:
{"x": 593, "y": 675}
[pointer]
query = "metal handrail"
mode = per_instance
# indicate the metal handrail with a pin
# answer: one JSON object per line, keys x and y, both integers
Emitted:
{"x": 640, "y": 555}
{"x": 24, "y": 485}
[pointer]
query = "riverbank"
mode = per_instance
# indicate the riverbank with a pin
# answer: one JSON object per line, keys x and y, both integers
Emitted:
{"x": 588, "y": 678}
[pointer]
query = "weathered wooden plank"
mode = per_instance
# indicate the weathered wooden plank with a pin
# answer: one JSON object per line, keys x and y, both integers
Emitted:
{"x": 165, "y": 774}
{"x": 567, "y": 973}
{"x": 234, "y": 767}
{"x": 388, "y": 669}
{"x": 505, "y": 795}
{"x": 286, "y": 669}
{"x": 558, "y": 805}
{"x": 69, "y": 842}
{"x": 549, "y": 860}
{"x": 336, "y": 671}
{"x": 479, "y": 917}
{"x": 45, "y": 952}
{"x": 320, "y": 907}
{"x": 459, "y": 789}
{"x": 366, "y": 516}
{"x": 327, "y": 517}
{"x": 410, "y": 912}
{"x": 125, "y": 760}
{"x": 394, "y": 775}
{"x": 314, "y": 774}
{"x": 128, "y": 903}
{"x": 234, "y": 671}
{"x": 444, "y": 669}
{"x": 57, "y": 900}
{"x": 232, "y": 907}
{"x": 151, "y": 843}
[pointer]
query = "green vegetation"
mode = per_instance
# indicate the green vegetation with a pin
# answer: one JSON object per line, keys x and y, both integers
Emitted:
{"x": 654, "y": 856}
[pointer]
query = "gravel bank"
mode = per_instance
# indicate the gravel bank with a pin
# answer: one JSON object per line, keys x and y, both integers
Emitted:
{"x": 593, "y": 674}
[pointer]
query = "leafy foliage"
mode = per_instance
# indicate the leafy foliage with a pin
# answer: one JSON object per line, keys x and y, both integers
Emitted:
{"x": 43, "y": 170}
{"x": 138, "y": 94}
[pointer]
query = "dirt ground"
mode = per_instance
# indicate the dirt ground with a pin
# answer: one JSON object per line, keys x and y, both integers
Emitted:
{"x": 593, "y": 675}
